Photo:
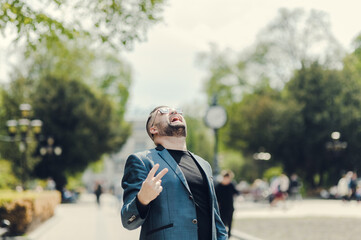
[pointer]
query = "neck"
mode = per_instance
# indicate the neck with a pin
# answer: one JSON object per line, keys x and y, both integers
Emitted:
{"x": 174, "y": 143}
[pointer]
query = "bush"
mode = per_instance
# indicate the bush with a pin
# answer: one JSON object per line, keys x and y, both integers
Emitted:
{"x": 26, "y": 210}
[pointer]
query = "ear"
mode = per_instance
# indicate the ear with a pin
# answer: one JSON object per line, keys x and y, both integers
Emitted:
{"x": 153, "y": 130}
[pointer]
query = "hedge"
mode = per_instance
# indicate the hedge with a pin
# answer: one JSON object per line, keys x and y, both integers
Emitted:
{"x": 26, "y": 210}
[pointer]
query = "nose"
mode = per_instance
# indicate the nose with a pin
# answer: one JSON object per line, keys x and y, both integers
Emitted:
{"x": 173, "y": 111}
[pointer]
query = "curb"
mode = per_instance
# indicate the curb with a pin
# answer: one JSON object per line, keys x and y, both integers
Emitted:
{"x": 243, "y": 236}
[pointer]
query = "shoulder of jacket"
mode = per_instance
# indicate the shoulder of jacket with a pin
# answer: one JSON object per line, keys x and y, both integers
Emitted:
{"x": 145, "y": 154}
{"x": 199, "y": 158}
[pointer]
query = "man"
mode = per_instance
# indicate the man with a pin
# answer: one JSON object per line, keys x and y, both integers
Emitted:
{"x": 169, "y": 191}
{"x": 225, "y": 191}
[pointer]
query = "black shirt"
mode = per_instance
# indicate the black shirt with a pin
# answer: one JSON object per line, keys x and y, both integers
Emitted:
{"x": 197, "y": 182}
{"x": 225, "y": 194}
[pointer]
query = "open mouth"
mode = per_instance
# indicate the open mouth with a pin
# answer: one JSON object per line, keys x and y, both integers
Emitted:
{"x": 175, "y": 119}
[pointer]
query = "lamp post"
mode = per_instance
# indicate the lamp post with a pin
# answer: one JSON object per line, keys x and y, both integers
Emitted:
{"x": 50, "y": 149}
{"x": 215, "y": 118}
{"x": 23, "y": 127}
{"x": 336, "y": 146}
{"x": 262, "y": 157}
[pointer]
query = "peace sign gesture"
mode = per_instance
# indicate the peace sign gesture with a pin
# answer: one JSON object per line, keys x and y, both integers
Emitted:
{"x": 151, "y": 187}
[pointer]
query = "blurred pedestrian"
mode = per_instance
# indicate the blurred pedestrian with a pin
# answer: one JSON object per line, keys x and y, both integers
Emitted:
{"x": 226, "y": 192}
{"x": 353, "y": 185}
{"x": 50, "y": 184}
{"x": 98, "y": 192}
{"x": 294, "y": 188}
{"x": 279, "y": 187}
{"x": 259, "y": 189}
{"x": 358, "y": 193}
{"x": 343, "y": 190}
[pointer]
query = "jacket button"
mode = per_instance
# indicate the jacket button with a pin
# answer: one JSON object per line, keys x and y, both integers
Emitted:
{"x": 190, "y": 197}
{"x": 195, "y": 221}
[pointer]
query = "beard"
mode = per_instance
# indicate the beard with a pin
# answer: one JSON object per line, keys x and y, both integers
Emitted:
{"x": 178, "y": 130}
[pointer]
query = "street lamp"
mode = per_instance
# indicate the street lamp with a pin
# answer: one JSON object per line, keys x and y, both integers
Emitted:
{"x": 215, "y": 118}
{"x": 336, "y": 145}
{"x": 50, "y": 149}
{"x": 261, "y": 156}
{"x": 23, "y": 126}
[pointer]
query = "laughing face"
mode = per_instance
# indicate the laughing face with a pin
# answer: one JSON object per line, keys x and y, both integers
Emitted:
{"x": 170, "y": 122}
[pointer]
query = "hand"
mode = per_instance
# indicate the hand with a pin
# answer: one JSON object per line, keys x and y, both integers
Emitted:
{"x": 151, "y": 186}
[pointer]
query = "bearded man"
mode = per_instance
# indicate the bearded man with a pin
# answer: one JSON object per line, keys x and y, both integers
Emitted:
{"x": 169, "y": 191}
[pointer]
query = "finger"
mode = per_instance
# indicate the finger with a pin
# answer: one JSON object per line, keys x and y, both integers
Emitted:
{"x": 161, "y": 174}
{"x": 153, "y": 171}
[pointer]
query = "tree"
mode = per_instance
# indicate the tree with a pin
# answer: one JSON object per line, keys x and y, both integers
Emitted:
{"x": 12, "y": 95}
{"x": 99, "y": 67}
{"x": 317, "y": 92}
{"x": 78, "y": 104}
{"x": 351, "y": 102}
{"x": 226, "y": 77}
{"x": 289, "y": 122}
{"x": 293, "y": 40}
{"x": 199, "y": 137}
{"x": 253, "y": 124}
{"x": 116, "y": 22}
{"x": 82, "y": 121}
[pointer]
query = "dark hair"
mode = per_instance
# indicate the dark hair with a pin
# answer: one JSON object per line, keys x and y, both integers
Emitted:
{"x": 227, "y": 173}
{"x": 151, "y": 115}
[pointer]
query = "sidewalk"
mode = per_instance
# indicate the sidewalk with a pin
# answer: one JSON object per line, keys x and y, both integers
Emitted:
{"x": 299, "y": 209}
{"x": 298, "y": 220}
{"x": 85, "y": 221}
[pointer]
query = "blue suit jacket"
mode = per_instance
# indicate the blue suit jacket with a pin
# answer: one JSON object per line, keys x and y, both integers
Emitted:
{"x": 172, "y": 215}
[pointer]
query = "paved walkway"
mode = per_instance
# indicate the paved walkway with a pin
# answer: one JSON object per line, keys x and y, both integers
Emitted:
{"x": 299, "y": 220}
{"x": 85, "y": 221}
{"x": 299, "y": 209}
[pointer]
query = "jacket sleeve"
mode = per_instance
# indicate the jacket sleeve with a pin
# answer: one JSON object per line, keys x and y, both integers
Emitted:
{"x": 135, "y": 172}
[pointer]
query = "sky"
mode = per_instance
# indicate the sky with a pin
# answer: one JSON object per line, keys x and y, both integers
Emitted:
{"x": 164, "y": 67}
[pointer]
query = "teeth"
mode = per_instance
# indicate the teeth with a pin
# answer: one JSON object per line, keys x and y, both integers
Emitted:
{"x": 175, "y": 119}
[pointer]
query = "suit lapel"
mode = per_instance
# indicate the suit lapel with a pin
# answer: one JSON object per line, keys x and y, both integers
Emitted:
{"x": 174, "y": 166}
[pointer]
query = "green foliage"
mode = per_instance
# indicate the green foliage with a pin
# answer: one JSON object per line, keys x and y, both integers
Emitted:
{"x": 75, "y": 182}
{"x": 99, "y": 68}
{"x": 294, "y": 38}
{"x": 82, "y": 121}
{"x": 234, "y": 161}
{"x": 272, "y": 172}
{"x": 80, "y": 102}
{"x": 317, "y": 93}
{"x": 254, "y": 121}
{"x": 12, "y": 95}
{"x": 115, "y": 22}
{"x": 199, "y": 138}
{"x": 287, "y": 94}
{"x": 7, "y": 178}
{"x": 226, "y": 78}
{"x": 98, "y": 166}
